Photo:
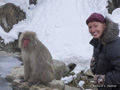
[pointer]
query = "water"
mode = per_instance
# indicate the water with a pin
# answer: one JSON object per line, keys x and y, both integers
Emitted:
{"x": 6, "y": 64}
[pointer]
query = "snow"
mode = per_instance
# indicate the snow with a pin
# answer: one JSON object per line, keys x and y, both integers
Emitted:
{"x": 81, "y": 83}
{"x": 68, "y": 79}
{"x": 60, "y": 25}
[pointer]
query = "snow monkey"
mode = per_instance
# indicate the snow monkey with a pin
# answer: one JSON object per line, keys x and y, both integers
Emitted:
{"x": 37, "y": 60}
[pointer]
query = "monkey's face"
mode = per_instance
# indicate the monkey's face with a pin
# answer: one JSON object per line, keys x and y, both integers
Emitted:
{"x": 26, "y": 42}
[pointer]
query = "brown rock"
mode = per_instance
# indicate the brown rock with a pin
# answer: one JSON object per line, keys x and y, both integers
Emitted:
{"x": 10, "y": 15}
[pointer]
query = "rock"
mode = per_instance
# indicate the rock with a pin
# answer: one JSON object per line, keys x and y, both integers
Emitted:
{"x": 72, "y": 66}
{"x": 112, "y": 5}
{"x": 18, "y": 72}
{"x": 19, "y": 57}
{"x": 88, "y": 73}
{"x": 10, "y": 15}
{"x": 71, "y": 88}
{"x": 57, "y": 84}
{"x": 53, "y": 85}
{"x": 4, "y": 85}
{"x": 33, "y": 2}
{"x": 16, "y": 85}
{"x": 59, "y": 69}
{"x": 68, "y": 69}
{"x": 11, "y": 47}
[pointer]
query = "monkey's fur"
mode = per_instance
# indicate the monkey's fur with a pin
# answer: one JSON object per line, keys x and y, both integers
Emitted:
{"x": 38, "y": 64}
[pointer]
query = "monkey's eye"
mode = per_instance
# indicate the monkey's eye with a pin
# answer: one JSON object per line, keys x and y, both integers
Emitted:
{"x": 26, "y": 39}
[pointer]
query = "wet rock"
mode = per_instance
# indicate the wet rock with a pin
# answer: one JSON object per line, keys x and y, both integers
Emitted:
{"x": 4, "y": 85}
{"x": 16, "y": 73}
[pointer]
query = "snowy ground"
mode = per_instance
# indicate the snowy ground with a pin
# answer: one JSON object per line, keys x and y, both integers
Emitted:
{"x": 60, "y": 25}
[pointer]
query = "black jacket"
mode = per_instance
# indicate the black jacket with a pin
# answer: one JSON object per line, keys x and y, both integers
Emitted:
{"x": 107, "y": 56}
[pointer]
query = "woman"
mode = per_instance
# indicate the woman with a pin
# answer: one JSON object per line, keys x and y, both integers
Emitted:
{"x": 105, "y": 63}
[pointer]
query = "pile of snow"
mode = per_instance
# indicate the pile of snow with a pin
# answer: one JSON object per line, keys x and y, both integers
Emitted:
{"x": 68, "y": 79}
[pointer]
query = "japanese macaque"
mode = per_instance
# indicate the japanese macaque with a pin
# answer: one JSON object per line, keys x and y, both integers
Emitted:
{"x": 37, "y": 60}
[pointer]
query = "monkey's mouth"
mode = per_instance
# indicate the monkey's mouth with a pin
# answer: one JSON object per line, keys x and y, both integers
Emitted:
{"x": 25, "y": 46}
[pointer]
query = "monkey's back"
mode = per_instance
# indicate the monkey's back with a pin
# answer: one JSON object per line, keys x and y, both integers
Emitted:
{"x": 44, "y": 64}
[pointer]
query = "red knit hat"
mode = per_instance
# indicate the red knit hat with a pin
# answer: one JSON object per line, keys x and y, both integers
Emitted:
{"x": 95, "y": 17}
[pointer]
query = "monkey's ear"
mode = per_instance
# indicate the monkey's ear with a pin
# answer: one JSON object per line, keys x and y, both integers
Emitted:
{"x": 20, "y": 44}
{"x": 20, "y": 40}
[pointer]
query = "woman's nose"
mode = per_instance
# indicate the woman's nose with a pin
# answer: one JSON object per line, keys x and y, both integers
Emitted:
{"x": 93, "y": 29}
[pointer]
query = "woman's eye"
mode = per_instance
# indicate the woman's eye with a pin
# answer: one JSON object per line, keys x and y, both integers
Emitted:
{"x": 95, "y": 26}
{"x": 90, "y": 27}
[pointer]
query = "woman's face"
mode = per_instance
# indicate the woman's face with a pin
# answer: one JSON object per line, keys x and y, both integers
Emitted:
{"x": 96, "y": 29}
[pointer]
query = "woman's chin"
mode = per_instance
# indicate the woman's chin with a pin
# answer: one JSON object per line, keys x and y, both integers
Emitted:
{"x": 96, "y": 37}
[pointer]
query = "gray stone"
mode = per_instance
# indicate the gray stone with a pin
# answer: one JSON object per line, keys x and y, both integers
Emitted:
{"x": 71, "y": 88}
{"x": 53, "y": 85}
{"x": 56, "y": 84}
{"x": 59, "y": 69}
{"x": 16, "y": 73}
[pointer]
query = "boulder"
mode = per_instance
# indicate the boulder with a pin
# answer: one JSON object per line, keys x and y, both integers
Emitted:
{"x": 10, "y": 15}
{"x": 53, "y": 85}
{"x": 68, "y": 69}
{"x": 59, "y": 69}
{"x": 18, "y": 72}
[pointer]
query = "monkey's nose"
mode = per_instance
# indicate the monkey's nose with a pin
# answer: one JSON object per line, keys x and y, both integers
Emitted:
{"x": 25, "y": 45}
